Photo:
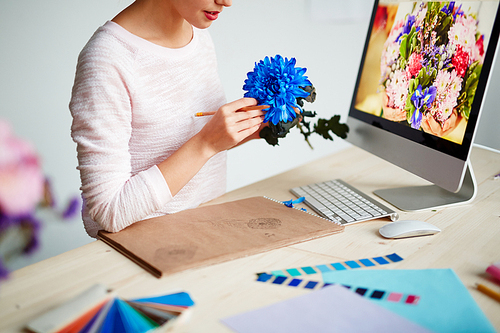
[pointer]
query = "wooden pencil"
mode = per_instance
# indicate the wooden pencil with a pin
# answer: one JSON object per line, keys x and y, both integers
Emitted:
{"x": 254, "y": 107}
{"x": 245, "y": 108}
{"x": 485, "y": 290}
{"x": 202, "y": 114}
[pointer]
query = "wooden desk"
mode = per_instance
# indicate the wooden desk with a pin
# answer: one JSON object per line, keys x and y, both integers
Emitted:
{"x": 468, "y": 243}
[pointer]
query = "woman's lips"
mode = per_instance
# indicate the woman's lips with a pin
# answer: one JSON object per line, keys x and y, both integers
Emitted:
{"x": 212, "y": 16}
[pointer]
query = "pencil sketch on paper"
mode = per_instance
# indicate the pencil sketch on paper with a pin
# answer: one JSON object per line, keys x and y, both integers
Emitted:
{"x": 264, "y": 223}
{"x": 175, "y": 253}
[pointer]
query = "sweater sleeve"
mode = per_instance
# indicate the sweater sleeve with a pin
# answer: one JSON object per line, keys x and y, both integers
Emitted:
{"x": 102, "y": 127}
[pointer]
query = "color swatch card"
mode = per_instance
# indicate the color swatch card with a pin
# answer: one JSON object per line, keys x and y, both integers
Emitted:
{"x": 443, "y": 305}
{"x": 369, "y": 293}
{"x": 339, "y": 266}
{"x": 98, "y": 311}
{"x": 331, "y": 309}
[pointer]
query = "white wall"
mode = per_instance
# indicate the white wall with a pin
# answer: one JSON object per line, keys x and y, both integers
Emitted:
{"x": 40, "y": 42}
{"x": 488, "y": 134}
{"x": 39, "y": 45}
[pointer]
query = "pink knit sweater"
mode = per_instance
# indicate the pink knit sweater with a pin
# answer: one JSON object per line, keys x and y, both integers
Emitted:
{"x": 133, "y": 105}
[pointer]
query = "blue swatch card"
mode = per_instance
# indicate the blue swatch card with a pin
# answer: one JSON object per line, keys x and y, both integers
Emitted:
{"x": 112, "y": 322}
{"x": 177, "y": 299}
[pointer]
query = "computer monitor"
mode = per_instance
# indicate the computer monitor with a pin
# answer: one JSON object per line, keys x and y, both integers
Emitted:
{"x": 418, "y": 95}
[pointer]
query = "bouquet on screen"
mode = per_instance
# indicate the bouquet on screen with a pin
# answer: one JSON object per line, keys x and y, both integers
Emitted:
{"x": 430, "y": 67}
{"x": 277, "y": 82}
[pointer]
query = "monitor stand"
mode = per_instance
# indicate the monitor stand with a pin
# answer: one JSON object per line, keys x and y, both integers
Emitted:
{"x": 416, "y": 198}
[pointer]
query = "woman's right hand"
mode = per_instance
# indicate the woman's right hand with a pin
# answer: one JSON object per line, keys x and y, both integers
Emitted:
{"x": 230, "y": 126}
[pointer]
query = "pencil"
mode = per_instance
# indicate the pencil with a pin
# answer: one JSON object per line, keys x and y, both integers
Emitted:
{"x": 254, "y": 107}
{"x": 202, "y": 114}
{"x": 245, "y": 108}
{"x": 487, "y": 291}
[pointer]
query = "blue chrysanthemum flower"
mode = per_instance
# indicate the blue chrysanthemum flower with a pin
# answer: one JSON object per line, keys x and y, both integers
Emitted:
{"x": 276, "y": 82}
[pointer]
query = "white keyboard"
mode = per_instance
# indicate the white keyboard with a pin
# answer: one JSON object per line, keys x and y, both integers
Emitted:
{"x": 339, "y": 201}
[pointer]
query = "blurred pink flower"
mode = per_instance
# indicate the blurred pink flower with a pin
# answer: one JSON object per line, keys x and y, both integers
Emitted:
{"x": 21, "y": 177}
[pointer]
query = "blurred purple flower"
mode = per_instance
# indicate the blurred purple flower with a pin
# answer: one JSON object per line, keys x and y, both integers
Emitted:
{"x": 34, "y": 241}
{"x": 23, "y": 189}
{"x": 28, "y": 223}
{"x": 4, "y": 272}
{"x": 72, "y": 209}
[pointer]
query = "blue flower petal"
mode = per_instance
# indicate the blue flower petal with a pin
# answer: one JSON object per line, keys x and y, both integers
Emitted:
{"x": 277, "y": 82}
{"x": 416, "y": 119}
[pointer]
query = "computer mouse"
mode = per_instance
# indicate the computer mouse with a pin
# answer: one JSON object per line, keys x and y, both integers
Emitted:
{"x": 408, "y": 228}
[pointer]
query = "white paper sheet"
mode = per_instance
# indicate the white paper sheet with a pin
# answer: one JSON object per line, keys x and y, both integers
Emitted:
{"x": 330, "y": 309}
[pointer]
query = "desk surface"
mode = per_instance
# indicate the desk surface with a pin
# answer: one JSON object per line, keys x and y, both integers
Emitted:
{"x": 468, "y": 243}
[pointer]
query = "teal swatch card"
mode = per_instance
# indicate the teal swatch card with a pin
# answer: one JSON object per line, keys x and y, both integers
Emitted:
{"x": 133, "y": 321}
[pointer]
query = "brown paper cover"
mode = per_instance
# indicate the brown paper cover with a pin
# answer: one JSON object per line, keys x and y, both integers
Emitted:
{"x": 212, "y": 234}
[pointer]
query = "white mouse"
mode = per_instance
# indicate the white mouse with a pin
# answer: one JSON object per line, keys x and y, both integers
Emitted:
{"x": 408, "y": 228}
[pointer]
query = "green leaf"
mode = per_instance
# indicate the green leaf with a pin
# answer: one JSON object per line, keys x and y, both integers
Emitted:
{"x": 416, "y": 82}
{"x": 469, "y": 88}
{"x": 413, "y": 44}
{"x": 402, "y": 47}
{"x": 466, "y": 112}
{"x": 409, "y": 114}
{"x": 426, "y": 76}
{"x": 273, "y": 133}
{"x": 323, "y": 128}
{"x": 266, "y": 133}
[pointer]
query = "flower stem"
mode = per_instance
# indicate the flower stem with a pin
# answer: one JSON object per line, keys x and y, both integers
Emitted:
{"x": 305, "y": 136}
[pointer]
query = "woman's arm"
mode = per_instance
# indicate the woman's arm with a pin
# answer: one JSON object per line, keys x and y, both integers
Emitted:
{"x": 227, "y": 128}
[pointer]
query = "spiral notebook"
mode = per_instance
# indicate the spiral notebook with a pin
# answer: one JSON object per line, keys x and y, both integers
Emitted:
{"x": 213, "y": 234}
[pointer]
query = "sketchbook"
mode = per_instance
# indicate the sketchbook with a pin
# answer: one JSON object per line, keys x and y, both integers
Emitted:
{"x": 213, "y": 234}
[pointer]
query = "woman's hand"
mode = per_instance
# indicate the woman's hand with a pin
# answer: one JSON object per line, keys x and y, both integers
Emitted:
{"x": 228, "y": 127}
{"x": 231, "y": 126}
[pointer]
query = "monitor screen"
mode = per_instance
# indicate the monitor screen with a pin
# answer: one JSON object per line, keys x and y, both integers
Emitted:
{"x": 423, "y": 76}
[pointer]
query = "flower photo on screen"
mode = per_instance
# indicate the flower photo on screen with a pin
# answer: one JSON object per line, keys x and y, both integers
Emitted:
{"x": 423, "y": 64}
